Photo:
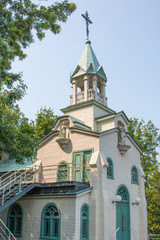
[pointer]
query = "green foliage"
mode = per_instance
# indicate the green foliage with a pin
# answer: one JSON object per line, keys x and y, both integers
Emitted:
{"x": 153, "y": 203}
{"x": 18, "y": 19}
{"x": 148, "y": 138}
{"x": 44, "y": 122}
{"x": 16, "y": 133}
{"x": 19, "y": 136}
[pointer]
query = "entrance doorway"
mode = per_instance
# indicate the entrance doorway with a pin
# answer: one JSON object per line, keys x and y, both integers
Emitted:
{"x": 123, "y": 214}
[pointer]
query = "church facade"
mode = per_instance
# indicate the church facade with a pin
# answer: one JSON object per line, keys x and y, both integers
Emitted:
{"x": 89, "y": 183}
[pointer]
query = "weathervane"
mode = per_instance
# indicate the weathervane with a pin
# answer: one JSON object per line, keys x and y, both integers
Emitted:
{"x": 86, "y": 17}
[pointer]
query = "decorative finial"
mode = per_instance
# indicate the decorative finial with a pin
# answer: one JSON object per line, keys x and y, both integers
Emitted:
{"x": 86, "y": 17}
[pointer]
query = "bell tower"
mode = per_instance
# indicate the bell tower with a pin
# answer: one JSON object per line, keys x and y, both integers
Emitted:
{"x": 88, "y": 79}
{"x": 88, "y": 99}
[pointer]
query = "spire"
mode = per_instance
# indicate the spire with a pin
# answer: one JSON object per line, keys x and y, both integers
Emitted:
{"x": 88, "y": 79}
{"x": 88, "y": 64}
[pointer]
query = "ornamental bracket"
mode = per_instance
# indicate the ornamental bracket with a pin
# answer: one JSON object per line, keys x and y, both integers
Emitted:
{"x": 123, "y": 148}
{"x": 63, "y": 142}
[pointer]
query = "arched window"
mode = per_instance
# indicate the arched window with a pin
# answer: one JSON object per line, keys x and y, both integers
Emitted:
{"x": 123, "y": 192}
{"x": 84, "y": 234}
{"x": 134, "y": 174}
{"x": 63, "y": 173}
{"x": 110, "y": 168}
{"x": 14, "y": 222}
{"x": 50, "y": 222}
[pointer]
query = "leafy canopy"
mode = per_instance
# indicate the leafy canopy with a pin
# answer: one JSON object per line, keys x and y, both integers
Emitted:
{"x": 148, "y": 138}
{"x": 44, "y": 122}
{"x": 18, "y": 19}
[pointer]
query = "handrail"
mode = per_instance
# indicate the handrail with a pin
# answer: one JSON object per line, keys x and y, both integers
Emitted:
{"x": 54, "y": 173}
{"x": 114, "y": 234}
{"x": 10, "y": 235}
{"x": 13, "y": 174}
{"x": 17, "y": 182}
{"x": 14, "y": 169}
{"x": 23, "y": 173}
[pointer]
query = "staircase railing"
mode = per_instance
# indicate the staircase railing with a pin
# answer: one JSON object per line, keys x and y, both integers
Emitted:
{"x": 114, "y": 234}
{"x": 16, "y": 182}
{"x": 5, "y": 233}
{"x": 65, "y": 172}
{"x": 7, "y": 174}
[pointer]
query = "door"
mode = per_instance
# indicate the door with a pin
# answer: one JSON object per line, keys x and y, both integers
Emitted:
{"x": 77, "y": 166}
{"x": 86, "y": 169}
{"x": 123, "y": 215}
{"x": 81, "y": 170}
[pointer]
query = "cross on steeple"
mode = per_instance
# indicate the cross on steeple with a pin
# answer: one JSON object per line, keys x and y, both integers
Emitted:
{"x": 86, "y": 17}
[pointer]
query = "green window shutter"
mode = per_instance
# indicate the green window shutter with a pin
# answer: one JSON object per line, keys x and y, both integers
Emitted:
{"x": 77, "y": 166}
{"x": 86, "y": 172}
{"x": 110, "y": 168}
{"x": 84, "y": 228}
{"x": 134, "y": 175}
{"x": 50, "y": 222}
{"x": 15, "y": 219}
{"x": 81, "y": 169}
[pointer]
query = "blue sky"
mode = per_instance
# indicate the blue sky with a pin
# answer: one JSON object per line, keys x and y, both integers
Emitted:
{"x": 125, "y": 37}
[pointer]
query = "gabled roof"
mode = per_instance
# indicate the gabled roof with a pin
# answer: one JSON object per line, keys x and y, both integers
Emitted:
{"x": 76, "y": 122}
{"x": 122, "y": 113}
{"x": 88, "y": 63}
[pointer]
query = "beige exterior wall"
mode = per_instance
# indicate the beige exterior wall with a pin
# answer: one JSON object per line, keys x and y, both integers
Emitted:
{"x": 84, "y": 114}
{"x": 105, "y": 125}
{"x": 88, "y": 114}
{"x": 51, "y": 154}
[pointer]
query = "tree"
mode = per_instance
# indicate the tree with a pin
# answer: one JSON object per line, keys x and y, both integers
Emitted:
{"x": 44, "y": 122}
{"x": 148, "y": 138}
{"x": 16, "y": 133}
{"x": 18, "y": 19}
{"x": 153, "y": 203}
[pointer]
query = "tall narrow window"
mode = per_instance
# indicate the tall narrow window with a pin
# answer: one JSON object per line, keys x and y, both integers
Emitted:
{"x": 110, "y": 168}
{"x": 50, "y": 222}
{"x": 134, "y": 174}
{"x": 84, "y": 222}
{"x": 15, "y": 220}
{"x": 63, "y": 172}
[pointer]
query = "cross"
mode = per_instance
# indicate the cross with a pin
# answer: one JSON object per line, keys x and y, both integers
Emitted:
{"x": 86, "y": 17}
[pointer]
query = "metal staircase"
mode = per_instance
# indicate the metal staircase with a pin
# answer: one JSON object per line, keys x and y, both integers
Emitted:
{"x": 15, "y": 184}
{"x": 5, "y": 233}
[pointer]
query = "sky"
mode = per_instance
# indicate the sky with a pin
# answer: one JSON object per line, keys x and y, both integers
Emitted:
{"x": 125, "y": 36}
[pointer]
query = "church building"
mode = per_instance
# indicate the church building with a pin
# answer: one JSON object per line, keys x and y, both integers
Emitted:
{"x": 87, "y": 182}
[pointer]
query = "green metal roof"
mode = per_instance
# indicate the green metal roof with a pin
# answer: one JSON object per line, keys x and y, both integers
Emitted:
{"x": 10, "y": 164}
{"x": 76, "y": 121}
{"x": 88, "y": 63}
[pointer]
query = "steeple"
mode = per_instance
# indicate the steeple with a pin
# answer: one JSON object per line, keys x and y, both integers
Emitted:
{"x": 88, "y": 79}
